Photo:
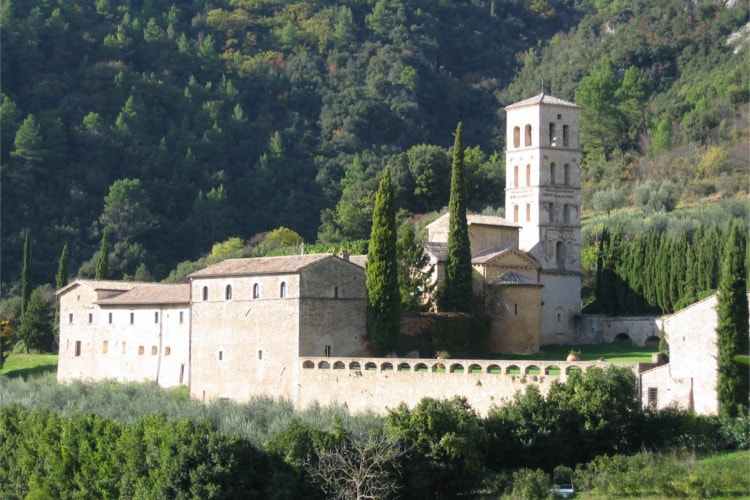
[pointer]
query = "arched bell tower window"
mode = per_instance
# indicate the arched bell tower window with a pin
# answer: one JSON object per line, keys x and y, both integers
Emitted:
{"x": 552, "y": 173}
{"x": 560, "y": 253}
{"x": 282, "y": 289}
{"x": 527, "y": 139}
{"x": 528, "y": 212}
{"x": 516, "y": 137}
{"x": 566, "y": 214}
{"x": 515, "y": 213}
{"x": 566, "y": 174}
{"x": 515, "y": 176}
{"x": 528, "y": 175}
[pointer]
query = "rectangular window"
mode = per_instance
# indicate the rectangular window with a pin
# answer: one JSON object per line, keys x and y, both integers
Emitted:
{"x": 156, "y": 317}
{"x": 132, "y": 318}
{"x": 182, "y": 372}
{"x": 105, "y": 347}
{"x": 140, "y": 350}
{"x": 516, "y": 309}
{"x": 123, "y": 347}
{"x": 70, "y": 318}
{"x": 78, "y": 347}
{"x": 221, "y": 355}
{"x": 552, "y": 134}
{"x": 565, "y": 136}
{"x": 181, "y": 317}
{"x": 327, "y": 351}
{"x": 110, "y": 318}
{"x": 335, "y": 292}
{"x": 260, "y": 353}
{"x": 652, "y": 397}
{"x": 91, "y": 317}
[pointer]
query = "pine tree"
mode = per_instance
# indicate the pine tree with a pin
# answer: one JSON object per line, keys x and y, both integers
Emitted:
{"x": 26, "y": 272}
{"x": 458, "y": 294}
{"x": 732, "y": 330}
{"x": 383, "y": 310}
{"x": 102, "y": 265}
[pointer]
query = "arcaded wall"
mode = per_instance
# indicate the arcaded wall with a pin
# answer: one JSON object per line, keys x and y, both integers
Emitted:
{"x": 597, "y": 328}
{"x": 378, "y": 384}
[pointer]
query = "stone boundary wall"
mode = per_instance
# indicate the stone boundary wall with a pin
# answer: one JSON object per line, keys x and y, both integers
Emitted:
{"x": 598, "y": 328}
{"x": 379, "y": 384}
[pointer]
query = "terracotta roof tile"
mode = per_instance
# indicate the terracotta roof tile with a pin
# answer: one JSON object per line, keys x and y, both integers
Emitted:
{"x": 151, "y": 293}
{"x": 260, "y": 265}
{"x": 542, "y": 99}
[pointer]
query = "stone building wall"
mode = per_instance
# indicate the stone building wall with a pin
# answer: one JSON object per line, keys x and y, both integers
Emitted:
{"x": 379, "y": 384}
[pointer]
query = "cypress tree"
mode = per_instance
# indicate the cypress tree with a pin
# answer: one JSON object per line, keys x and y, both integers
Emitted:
{"x": 458, "y": 295}
{"x": 26, "y": 272}
{"x": 732, "y": 330}
{"x": 102, "y": 264}
{"x": 383, "y": 311}
{"x": 62, "y": 269}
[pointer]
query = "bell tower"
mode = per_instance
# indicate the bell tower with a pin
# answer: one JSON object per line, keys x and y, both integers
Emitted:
{"x": 542, "y": 197}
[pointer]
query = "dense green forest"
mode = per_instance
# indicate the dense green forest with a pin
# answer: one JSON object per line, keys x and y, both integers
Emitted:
{"x": 174, "y": 126}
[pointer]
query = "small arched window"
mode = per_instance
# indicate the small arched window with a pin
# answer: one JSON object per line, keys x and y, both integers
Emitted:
{"x": 566, "y": 174}
{"x": 528, "y": 175}
{"x": 205, "y": 293}
{"x": 228, "y": 292}
{"x": 256, "y": 291}
{"x": 528, "y": 212}
{"x": 552, "y": 173}
{"x": 552, "y": 134}
{"x": 560, "y": 253}
{"x": 515, "y": 213}
{"x": 282, "y": 289}
{"x": 566, "y": 213}
{"x": 528, "y": 136}
{"x": 551, "y": 209}
{"x": 516, "y": 137}
{"x": 515, "y": 176}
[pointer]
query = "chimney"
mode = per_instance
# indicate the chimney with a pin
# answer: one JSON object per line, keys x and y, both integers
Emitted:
{"x": 345, "y": 255}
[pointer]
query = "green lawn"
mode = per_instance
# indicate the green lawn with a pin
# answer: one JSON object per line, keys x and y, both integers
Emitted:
{"x": 617, "y": 351}
{"x": 23, "y": 365}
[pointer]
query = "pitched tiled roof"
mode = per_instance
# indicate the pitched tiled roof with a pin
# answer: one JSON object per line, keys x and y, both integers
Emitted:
{"x": 490, "y": 255}
{"x": 511, "y": 278}
{"x": 439, "y": 250}
{"x": 359, "y": 260}
{"x": 260, "y": 265}
{"x": 151, "y": 293}
{"x": 99, "y": 285}
{"x": 485, "y": 220}
{"x": 542, "y": 99}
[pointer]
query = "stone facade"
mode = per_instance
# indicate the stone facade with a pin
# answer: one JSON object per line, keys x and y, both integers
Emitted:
{"x": 253, "y": 318}
{"x": 124, "y": 331}
{"x": 598, "y": 328}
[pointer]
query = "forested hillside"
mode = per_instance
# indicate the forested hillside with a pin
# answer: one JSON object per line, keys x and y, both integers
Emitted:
{"x": 177, "y": 125}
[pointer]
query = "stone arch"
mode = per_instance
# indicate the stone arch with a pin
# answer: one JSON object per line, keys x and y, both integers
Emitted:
{"x": 552, "y": 370}
{"x": 371, "y": 366}
{"x": 573, "y": 368}
{"x": 354, "y": 365}
{"x": 438, "y": 367}
{"x": 421, "y": 367}
{"x": 475, "y": 368}
{"x": 308, "y": 364}
{"x": 339, "y": 365}
{"x": 623, "y": 337}
{"x": 324, "y": 365}
{"x": 513, "y": 369}
{"x": 494, "y": 369}
{"x": 404, "y": 367}
{"x": 652, "y": 341}
{"x": 386, "y": 367}
{"x": 533, "y": 370}
{"x": 457, "y": 368}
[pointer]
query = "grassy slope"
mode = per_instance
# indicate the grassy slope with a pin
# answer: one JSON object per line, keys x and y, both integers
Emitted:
{"x": 619, "y": 351}
{"x": 22, "y": 365}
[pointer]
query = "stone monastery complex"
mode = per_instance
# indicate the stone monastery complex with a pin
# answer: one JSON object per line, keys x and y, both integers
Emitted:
{"x": 294, "y": 327}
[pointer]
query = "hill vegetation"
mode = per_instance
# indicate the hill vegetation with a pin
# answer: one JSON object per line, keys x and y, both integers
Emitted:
{"x": 173, "y": 126}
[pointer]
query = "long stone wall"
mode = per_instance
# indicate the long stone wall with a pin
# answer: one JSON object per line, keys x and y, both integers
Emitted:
{"x": 598, "y": 328}
{"x": 379, "y": 384}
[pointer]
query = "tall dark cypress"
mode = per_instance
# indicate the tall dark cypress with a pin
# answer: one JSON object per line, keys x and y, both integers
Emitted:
{"x": 458, "y": 295}
{"x": 732, "y": 330}
{"x": 26, "y": 272}
{"x": 62, "y": 269}
{"x": 102, "y": 264}
{"x": 383, "y": 310}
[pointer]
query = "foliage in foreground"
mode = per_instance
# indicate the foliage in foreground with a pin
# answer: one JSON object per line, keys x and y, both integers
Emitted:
{"x": 44, "y": 455}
